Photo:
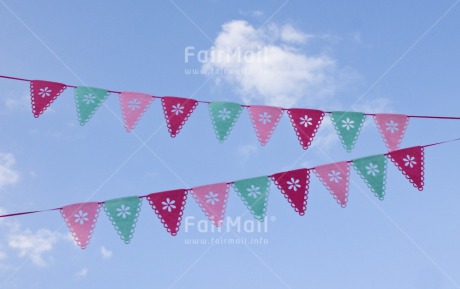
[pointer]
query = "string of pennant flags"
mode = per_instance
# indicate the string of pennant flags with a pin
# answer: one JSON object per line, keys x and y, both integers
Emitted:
{"x": 224, "y": 115}
{"x": 123, "y": 213}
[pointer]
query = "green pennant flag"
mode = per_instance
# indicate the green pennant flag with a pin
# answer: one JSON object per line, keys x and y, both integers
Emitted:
{"x": 224, "y": 116}
{"x": 373, "y": 171}
{"x": 254, "y": 193}
{"x": 348, "y": 126}
{"x": 88, "y": 100}
{"x": 123, "y": 213}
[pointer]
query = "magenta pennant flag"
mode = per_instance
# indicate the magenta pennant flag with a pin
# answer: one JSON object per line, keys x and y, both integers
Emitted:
{"x": 264, "y": 119}
{"x": 306, "y": 123}
{"x": 169, "y": 207}
{"x": 177, "y": 110}
{"x": 335, "y": 178}
{"x": 43, "y": 93}
{"x": 411, "y": 162}
{"x": 133, "y": 106}
{"x": 213, "y": 201}
{"x": 392, "y": 128}
{"x": 81, "y": 220}
{"x": 294, "y": 186}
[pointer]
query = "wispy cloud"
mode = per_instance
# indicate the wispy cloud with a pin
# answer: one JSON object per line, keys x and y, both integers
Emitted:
{"x": 8, "y": 176}
{"x": 82, "y": 273}
{"x": 106, "y": 254}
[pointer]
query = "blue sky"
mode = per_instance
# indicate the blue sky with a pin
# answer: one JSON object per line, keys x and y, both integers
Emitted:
{"x": 354, "y": 55}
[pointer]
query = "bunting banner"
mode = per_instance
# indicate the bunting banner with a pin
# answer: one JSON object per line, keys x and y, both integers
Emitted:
{"x": 336, "y": 178}
{"x": 212, "y": 199}
{"x": 177, "y": 110}
{"x": 123, "y": 213}
{"x": 348, "y": 126}
{"x": 169, "y": 207}
{"x": 224, "y": 116}
{"x": 392, "y": 128}
{"x": 254, "y": 193}
{"x": 88, "y": 101}
{"x": 264, "y": 119}
{"x": 306, "y": 123}
{"x": 373, "y": 170}
{"x": 81, "y": 220}
{"x": 133, "y": 106}
{"x": 294, "y": 186}
{"x": 43, "y": 94}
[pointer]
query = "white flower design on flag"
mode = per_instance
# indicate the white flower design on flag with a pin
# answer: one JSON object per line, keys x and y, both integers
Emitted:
{"x": 89, "y": 98}
{"x": 81, "y": 217}
{"x": 334, "y": 176}
{"x": 264, "y": 117}
{"x": 44, "y": 92}
{"x": 293, "y": 184}
{"x": 305, "y": 121}
{"x": 392, "y": 126}
{"x": 348, "y": 123}
{"x": 253, "y": 191}
{"x": 409, "y": 161}
{"x": 372, "y": 169}
{"x": 168, "y": 205}
{"x": 212, "y": 198}
{"x": 134, "y": 104}
{"x": 177, "y": 109}
{"x": 123, "y": 211}
{"x": 224, "y": 114}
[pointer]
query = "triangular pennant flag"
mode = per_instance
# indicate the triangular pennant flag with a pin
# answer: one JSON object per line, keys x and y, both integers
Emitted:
{"x": 213, "y": 201}
{"x": 264, "y": 120}
{"x": 294, "y": 186}
{"x": 43, "y": 93}
{"x": 224, "y": 116}
{"x": 254, "y": 193}
{"x": 392, "y": 128}
{"x": 373, "y": 170}
{"x": 348, "y": 126}
{"x": 335, "y": 177}
{"x": 88, "y": 100}
{"x": 133, "y": 106}
{"x": 411, "y": 162}
{"x": 81, "y": 220}
{"x": 177, "y": 110}
{"x": 169, "y": 207}
{"x": 123, "y": 213}
{"x": 306, "y": 123}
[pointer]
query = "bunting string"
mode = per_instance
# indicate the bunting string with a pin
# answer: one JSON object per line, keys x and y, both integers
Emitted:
{"x": 169, "y": 206}
{"x": 224, "y": 115}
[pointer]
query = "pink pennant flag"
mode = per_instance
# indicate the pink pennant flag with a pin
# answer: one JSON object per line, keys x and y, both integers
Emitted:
{"x": 294, "y": 186}
{"x": 306, "y": 123}
{"x": 43, "y": 93}
{"x": 133, "y": 106}
{"x": 177, "y": 110}
{"x": 335, "y": 178}
{"x": 264, "y": 120}
{"x": 213, "y": 201}
{"x": 392, "y": 128}
{"x": 411, "y": 162}
{"x": 169, "y": 207}
{"x": 81, "y": 220}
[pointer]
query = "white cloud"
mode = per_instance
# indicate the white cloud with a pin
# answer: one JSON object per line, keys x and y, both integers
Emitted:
{"x": 267, "y": 65}
{"x": 8, "y": 176}
{"x": 18, "y": 103}
{"x": 245, "y": 151}
{"x": 82, "y": 273}
{"x": 33, "y": 245}
{"x": 253, "y": 13}
{"x": 106, "y": 254}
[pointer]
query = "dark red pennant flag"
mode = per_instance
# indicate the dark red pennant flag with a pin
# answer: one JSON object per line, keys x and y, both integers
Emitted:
{"x": 169, "y": 207}
{"x": 177, "y": 110}
{"x": 411, "y": 162}
{"x": 43, "y": 93}
{"x": 294, "y": 186}
{"x": 306, "y": 123}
